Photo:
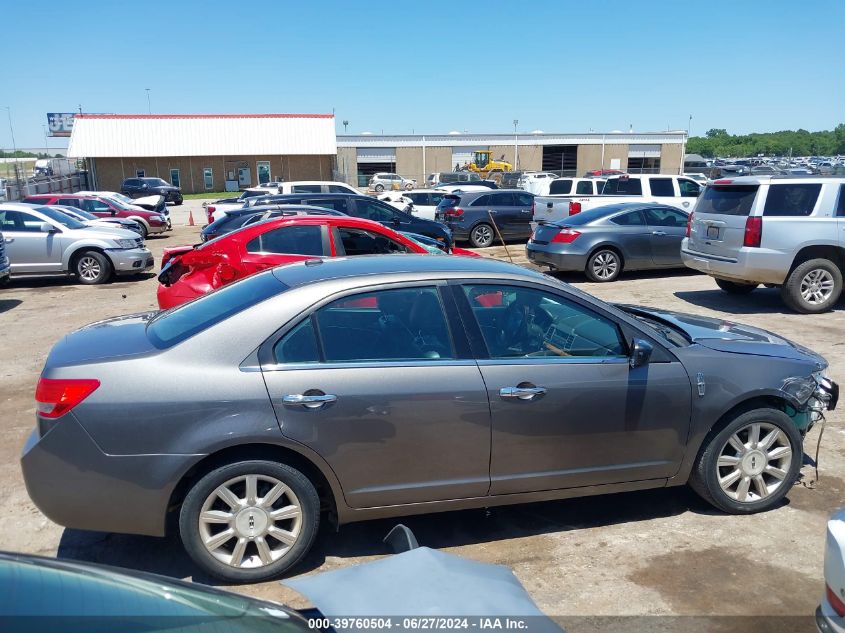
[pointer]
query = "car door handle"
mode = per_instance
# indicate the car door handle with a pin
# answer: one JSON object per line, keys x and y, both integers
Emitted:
{"x": 658, "y": 232}
{"x": 523, "y": 393}
{"x": 309, "y": 401}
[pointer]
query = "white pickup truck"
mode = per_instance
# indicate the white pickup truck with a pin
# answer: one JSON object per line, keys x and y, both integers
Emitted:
{"x": 675, "y": 191}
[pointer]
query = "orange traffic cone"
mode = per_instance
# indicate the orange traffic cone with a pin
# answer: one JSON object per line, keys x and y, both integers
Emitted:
{"x": 190, "y": 218}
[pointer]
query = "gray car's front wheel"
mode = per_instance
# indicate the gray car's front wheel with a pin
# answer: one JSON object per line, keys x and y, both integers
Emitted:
{"x": 750, "y": 464}
{"x": 249, "y": 521}
{"x": 92, "y": 267}
{"x": 604, "y": 265}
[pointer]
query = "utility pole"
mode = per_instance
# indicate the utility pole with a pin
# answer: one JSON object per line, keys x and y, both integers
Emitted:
{"x": 345, "y": 125}
{"x": 515, "y": 145}
{"x": 149, "y": 108}
{"x": 15, "y": 154}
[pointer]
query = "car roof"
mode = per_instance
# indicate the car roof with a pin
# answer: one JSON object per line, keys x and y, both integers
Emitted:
{"x": 259, "y": 228}
{"x": 764, "y": 179}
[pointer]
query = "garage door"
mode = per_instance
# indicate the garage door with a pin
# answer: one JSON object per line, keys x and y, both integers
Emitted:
{"x": 376, "y": 154}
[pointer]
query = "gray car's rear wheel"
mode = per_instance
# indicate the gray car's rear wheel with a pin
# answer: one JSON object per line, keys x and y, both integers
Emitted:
{"x": 249, "y": 521}
{"x": 750, "y": 464}
{"x": 734, "y": 288}
{"x": 604, "y": 265}
{"x": 812, "y": 287}
{"x": 481, "y": 235}
{"x": 92, "y": 267}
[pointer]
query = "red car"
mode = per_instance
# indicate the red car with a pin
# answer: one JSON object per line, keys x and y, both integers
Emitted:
{"x": 190, "y": 271}
{"x": 151, "y": 222}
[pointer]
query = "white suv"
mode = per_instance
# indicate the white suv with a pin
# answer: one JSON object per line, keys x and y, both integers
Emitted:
{"x": 787, "y": 232}
{"x": 383, "y": 180}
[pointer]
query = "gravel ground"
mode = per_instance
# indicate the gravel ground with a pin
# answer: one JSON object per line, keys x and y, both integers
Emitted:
{"x": 648, "y": 553}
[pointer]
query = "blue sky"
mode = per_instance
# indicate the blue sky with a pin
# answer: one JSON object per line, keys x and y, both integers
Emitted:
{"x": 432, "y": 67}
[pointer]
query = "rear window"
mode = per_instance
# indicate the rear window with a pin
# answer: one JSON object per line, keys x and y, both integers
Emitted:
{"x": 727, "y": 200}
{"x": 174, "y": 326}
{"x": 623, "y": 187}
{"x": 449, "y": 201}
{"x": 560, "y": 187}
{"x": 790, "y": 200}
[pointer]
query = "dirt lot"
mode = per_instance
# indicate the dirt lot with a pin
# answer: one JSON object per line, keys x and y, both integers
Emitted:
{"x": 656, "y": 552}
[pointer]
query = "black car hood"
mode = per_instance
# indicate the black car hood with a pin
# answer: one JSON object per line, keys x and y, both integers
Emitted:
{"x": 727, "y": 336}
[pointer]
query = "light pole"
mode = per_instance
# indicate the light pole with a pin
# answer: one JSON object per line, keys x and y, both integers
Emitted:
{"x": 689, "y": 125}
{"x": 14, "y": 153}
{"x": 515, "y": 145}
{"x": 149, "y": 108}
{"x": 345, "y": 125}
{"x": 46, "y": 142}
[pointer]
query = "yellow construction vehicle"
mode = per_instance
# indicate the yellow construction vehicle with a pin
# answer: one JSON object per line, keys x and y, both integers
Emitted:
{"x": 483, "y": 165}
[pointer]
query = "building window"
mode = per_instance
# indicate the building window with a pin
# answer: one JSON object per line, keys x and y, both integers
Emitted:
{"x": 640, "y": 165}
{"x": 208, "y": 177}
{"x": 263, "y": 169}
{"x": 140, "y": 173}
{"x": 174, "y": 178}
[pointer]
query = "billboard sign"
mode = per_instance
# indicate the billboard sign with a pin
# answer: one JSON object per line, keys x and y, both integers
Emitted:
{"x": 60, "y": 123}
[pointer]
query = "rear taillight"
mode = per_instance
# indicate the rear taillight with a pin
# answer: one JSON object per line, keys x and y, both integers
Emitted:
{"x": 533, "y": 208}
{"x": 565, "y": 236}
{"x": 209, "y": 214}
{"x": 574, "y": 207}
{"x": 55, "y": 397}
{"x": 689, "y": 224}
{"x": 454, "y": 212}
{"x": 723, "y": 181}
{"x": 753, "y": 232}
{"x": 835, "y": 601}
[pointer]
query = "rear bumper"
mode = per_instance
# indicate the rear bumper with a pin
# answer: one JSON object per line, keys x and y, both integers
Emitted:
{"x": 135, "y": 260}
{"x": 78, "y": 486}
{"x": 750, "y": 265}
{"x": 827, "y": 621}
{"x": 545, "y": 255}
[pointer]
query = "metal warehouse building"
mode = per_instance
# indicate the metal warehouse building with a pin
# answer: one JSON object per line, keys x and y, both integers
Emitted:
{"x": 205, "y": 152}
{"x": 415, "y": 156}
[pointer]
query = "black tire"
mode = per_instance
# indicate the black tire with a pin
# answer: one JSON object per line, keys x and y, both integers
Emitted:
{"x": 791, "y": 291}
{"x": 734, "y": 288}
{"x": 379, "y": 188}
{"x": 198, "y": 495}
{"x": 604, "y": 265}
{"x": 92, "y": 267}
{"x": 482, "y": 235}
{"x": 178, "y": 201}
{"x": 144, "y": 230}
{"x": 706, "y": 472}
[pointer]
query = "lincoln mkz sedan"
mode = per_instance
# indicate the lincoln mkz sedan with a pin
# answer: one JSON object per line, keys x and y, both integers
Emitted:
{"x": 379, "y": 386}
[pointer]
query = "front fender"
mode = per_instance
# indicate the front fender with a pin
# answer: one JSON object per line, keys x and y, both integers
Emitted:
{"x": 83, "y": 245}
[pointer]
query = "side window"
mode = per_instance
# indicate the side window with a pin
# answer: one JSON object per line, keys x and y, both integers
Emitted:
{"x": 531, "y": 323}
{"x": 298, "y": 346}
{"x": 337, "y": 189}
{"x": 131, "y": 182}
{"x": 561, "y": 187}
{"x": 482, "y": 201}
{"x": 524, "y": 199}
{"x": 657, "y": 216}
{"x": 358, "y": 242}
{"x": 688, "y": 188}
{"x": 306, "y": 189}
{"x": 584, "y": 188}
{"x": 20, "y": 221}
{"x": 69, "y": 202}
{"x": 840, "y": 208}
{"x": 791, "y": 200}
{"x": 632, "y": 218}
{"x": 338, "y": 204}
{"x": 503, "y": 200}
{"x": 623, "y": 186}
{"x": 389, "y": 325}
{"x": 371, "y": 210}
{"x": 436, "y": 198}
{"x": 95, "y": 206}
{"x": 289, "y": 240}
{"x": 662, "y": 187}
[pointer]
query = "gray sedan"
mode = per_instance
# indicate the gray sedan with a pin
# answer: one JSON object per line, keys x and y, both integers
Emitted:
{"x": 382, "y": 386}
{"x": 604, "y": 241}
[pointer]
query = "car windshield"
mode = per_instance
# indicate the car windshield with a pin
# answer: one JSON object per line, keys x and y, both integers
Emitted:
{"x": 62, "y": 218}
{"x": 178, "y": 324}
{"x": 433, "y": 250}
{"x": 120, "y": 204}
{"x": 670, "y": 333}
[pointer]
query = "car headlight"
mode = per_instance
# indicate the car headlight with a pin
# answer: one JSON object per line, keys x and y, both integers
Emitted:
{"x": 801, "y": 388}
{"x": 126, "y": 243}
{"x": 157, "y": 218}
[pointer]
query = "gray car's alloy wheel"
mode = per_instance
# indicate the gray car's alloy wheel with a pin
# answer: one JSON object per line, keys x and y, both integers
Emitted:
{"x": 604, "y": 265}
{"x": 481, "y": 236}
{"x": 249, "y": 521}
{"x": 750, "y": 464}
{"x": 92, "y": 267}
{"x": 813, "y": 286}
{"x": 379, "y": 188}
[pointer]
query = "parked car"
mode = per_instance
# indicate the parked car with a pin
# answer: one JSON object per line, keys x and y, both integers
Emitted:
{"x": 92, "y": 220}
{"x": 571, "y": 186}
{"x": 141, "y": 187}
{"x": 5, "y": 265}
{"x": 423, "y": 201}
{"x": 471, "y": 215}
{"x": 219, "y": 207}
{"x": 784, "y": 232}
{"x": 470, "y": 185}
{"x": 676, "y": 191}
{"x": 441, "y": 177}
{"x": 154, "y": 202}
{"x": 830, "y": 614}
{"x": 360, "y": 206}
{"x": 234, "y": 220}
{"x": 40, "y": 240}
{"x": 535, "y": 181}
{"x": 190, "y": 271}
{"x": 729, "y": 171}
{"x": 605, "y": 240}
{"x": 151, "y": 223}
{"x": 385, "y": 180}
{"x": 477, "y": 376}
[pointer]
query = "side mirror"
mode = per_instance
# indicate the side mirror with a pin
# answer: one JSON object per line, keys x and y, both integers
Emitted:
{"x": 46, "y": 227}
{"x": 396, "y": 220}
{"x": 640, "y": 353}
{"x": 145, "y": 186}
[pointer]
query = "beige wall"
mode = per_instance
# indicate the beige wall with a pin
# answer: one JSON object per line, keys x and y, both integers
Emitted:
{"x": 347, "y": 164}
{"x": 112, "y": 171}
{"x": 670, "y": 158}
{"x": 530, "y": 156}
{"x": 590, "y": 157}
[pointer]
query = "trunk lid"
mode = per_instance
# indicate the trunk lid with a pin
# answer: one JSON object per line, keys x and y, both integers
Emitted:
{"x": 719, "y": 217}
{"x": 104, "y": 340}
